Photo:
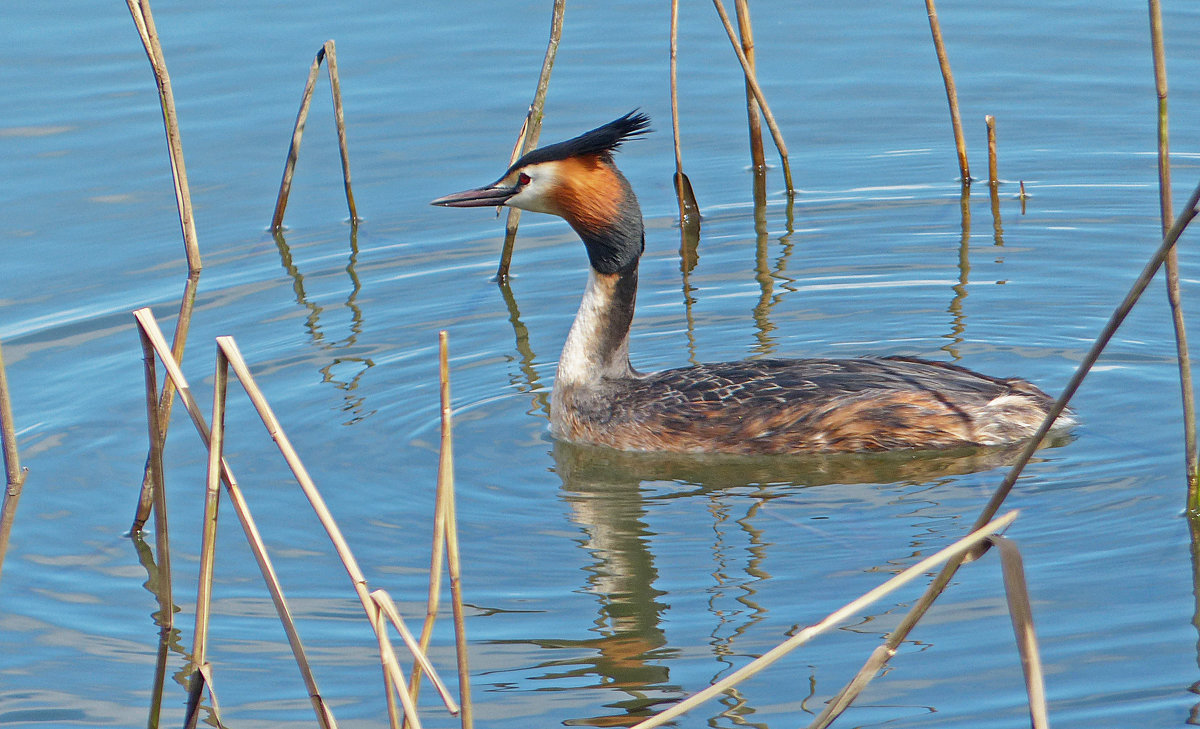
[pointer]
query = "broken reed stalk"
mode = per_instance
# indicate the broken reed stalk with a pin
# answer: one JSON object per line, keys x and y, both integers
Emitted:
{"x": 148, "y": 326}
{"x": 334, "y": 532}
{"x": 1174, "y": 297}
{"x": 212, "y": 494}
{"x": 531, "y": 130}
{"x": 951, "y": 93}
{"x": 388, "y": 606}
{"x": 1020, "y": 612}
{"x": 326, "y": 53}
{"x": 143, "y": 19}
{"x": 689, "y": 211}
{"x": 446, "y": 485}
{"x": 990, "y": 122}
{"x": 957, "y": 549}
{"x": 157, "y": 436}
{"x": 753, "y": 121}
{"x": 752, "y": 84}
{"x": 166, "y": 399}
{"x": 339, "y": 117}
{"x": 289, "y": 167}
{"x": 14, "y": 474}
{"x": 887, "y": 649}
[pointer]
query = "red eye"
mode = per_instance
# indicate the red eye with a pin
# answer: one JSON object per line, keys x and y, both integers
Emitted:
{"x": 524, "y": 179}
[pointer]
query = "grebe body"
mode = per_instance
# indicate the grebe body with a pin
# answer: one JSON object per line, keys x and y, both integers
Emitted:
{"x": 751, "y": 406}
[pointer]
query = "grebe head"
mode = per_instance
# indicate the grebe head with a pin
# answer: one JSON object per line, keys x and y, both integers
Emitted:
{"x": 577, "y": 181}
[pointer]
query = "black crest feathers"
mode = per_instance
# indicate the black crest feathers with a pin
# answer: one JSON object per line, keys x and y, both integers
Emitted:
{"x": 603, "y": 140}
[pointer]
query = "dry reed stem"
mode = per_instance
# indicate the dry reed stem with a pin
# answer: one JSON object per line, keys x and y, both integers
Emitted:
{"x": 393, "y": 675}
{"x": 156, "y": 435}
{"x": 389, "y": 688}
{"x": 275, "y": 430}
{"x": 884, "y": 652}
{"x": 752, "y": 84}
{"x": 689, "y": 210}
{"x": 339, "y": 118}
{"x": 1174, "y": 297}
{"x": 1016, "y": 592}
{"x": 144, "y": 20}
{"x": 212, "y": 494}
{"x": 514, "y": 214}
{"x": 846, "y": 611}
{"x": 753, "y": 122}
{"x": 14, "y": 474}
{"x": 436, "y": 557}
{"x": 289, "y": 167}
{"x": 166, "y": 399}
{"x": 148, "y": 325}
{"x": 990, "y": 122}
{"x": 446, "y": 485}
{"x": 939, "y": 47}
{"x": 531, "y": 130}
{"x": 385, "y": 603}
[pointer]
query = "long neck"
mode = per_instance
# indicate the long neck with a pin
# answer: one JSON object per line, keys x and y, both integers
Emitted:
{"x": 598, "y": 345}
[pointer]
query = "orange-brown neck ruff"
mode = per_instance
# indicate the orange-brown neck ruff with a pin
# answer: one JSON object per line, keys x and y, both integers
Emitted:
{"x": 596, "y": 199}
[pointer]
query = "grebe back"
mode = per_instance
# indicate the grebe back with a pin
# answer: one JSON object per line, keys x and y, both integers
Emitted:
{"x": 749, "y": 406}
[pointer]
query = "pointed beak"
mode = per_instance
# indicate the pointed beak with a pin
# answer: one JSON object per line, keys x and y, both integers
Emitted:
{"x": 481, "y": 197}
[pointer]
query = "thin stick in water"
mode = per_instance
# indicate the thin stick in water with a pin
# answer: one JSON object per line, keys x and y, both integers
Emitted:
{"x": 144, "y": 20}
{"x": 339, "y": 117}
{"x": 208, "y": 542}
{"x": 754, "y": 123}
{"x": 939, "y": 47}
{"x": 752, "y": 84}
{"x": 531, "y": 130}
{"x": 689, "y": 211}
{"x": 388, "y": 606}
{"x": 156, "y": 433}
{"x": 1174, "y": 297}
{"x": 453, "y": 563}
{"x": 289, "y": 167}
{"x": 990, "y": 121}
{"x": 14, "y": 474}
{"x": 1020, "y": 612}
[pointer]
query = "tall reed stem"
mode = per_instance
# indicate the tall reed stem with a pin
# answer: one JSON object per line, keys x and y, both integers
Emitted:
{"x": 532, "y": 130}
{"x": 156, "y": 433}
{"x": 689, "y": 210}
{"x": 1174, "y": 297}
{"x": 208, "y": 542}
{"x": 753, "y": 121}
{"x": 143, "y": 19}
{"x": 990, "y": 122}
{"x": 752, "y": 84}
{"x": 453, "y": 562}
{"x": 14, "y": 474}
{"x": 939, "y": 47}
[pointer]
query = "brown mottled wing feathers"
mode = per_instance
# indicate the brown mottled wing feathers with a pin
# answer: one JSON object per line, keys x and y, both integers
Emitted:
{"x": 817, "y": 405}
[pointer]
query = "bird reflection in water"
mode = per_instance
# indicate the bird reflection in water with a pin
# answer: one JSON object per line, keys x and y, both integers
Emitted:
{"x": 613, "y": 502}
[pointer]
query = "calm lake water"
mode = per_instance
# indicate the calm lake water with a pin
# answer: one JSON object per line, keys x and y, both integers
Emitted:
{"x": 600, "y": 587}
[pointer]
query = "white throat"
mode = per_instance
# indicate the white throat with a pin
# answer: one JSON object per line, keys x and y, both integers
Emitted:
{"x": 587, "y": 357}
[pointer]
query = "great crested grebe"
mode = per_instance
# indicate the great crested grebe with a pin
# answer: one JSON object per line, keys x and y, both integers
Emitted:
{"x": 751, "y": 406}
